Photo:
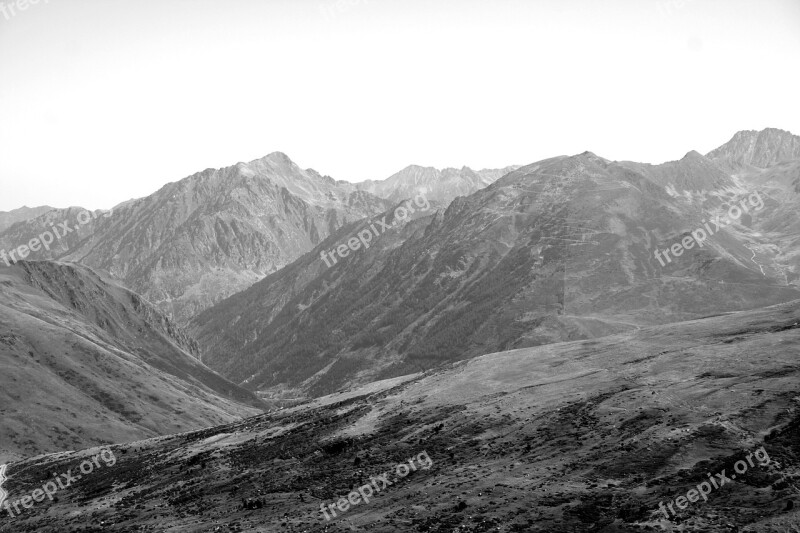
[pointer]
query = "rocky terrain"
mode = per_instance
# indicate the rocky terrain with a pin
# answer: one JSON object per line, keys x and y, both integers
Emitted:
{"x": 87, "y": 362}
{"x": 578, "y": 436}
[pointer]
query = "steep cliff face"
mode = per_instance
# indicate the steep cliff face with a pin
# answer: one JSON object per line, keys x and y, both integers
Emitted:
{"x": 87, "y": 362}
{"x": 208, "y": 236}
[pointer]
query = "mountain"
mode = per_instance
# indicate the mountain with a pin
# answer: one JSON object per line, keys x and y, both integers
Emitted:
{"x": 761, "y": 149}
{"x": 769, "y": 161}
{"x": 559, "y": 250}
{"x": 9, "y": 218}
{"x": 87, "y": 362}
{"x": 584, "y": 436}
{"x": 207, "y": 236}
{"x": 441, "y": 186}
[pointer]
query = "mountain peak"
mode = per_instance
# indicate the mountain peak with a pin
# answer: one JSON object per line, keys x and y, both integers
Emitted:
{"x": 760, "y": 149}
{"x": 278, "y": 158}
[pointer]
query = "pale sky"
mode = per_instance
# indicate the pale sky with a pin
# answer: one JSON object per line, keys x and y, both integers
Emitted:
{"x": 106, "y": 100}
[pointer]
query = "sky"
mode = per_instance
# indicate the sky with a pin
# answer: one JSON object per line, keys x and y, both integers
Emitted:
{"x": 106, "y": 100}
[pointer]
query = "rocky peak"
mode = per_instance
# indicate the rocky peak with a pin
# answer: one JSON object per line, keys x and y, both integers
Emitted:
{"x": 760, "y": 149}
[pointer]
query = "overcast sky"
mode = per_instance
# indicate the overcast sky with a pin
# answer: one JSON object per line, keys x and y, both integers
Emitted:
{"x": 106, "y": 100}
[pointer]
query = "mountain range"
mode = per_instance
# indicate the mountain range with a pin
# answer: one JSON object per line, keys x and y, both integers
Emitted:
{"x": 559, "y": 250}
{"x": 217, "y": 232}
{"x": 543, "y": 333}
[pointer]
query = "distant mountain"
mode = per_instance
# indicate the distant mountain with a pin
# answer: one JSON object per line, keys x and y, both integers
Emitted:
{"x": 587, "y": 436}
{"x": 761, "y": 149}
{"x": 208, "y": 236}
{"x": 87, "y": 362}
{"x": 559, "y": 250}
{"x": 437, "y": 185}
{"x": 9, "y": 218}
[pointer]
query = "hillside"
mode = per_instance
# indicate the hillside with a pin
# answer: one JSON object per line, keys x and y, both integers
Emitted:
{"x": 87, "y": 362}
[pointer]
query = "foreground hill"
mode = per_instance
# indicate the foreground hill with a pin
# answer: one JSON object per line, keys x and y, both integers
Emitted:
{"x": 562, "y": 249}
{"x": 87, "y": 362}
{"x": 579, "y": 436}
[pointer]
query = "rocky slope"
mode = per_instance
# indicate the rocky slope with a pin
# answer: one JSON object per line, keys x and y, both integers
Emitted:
{"x": 559, "y": 250}
{"x": 573, "y": 437}
{"x": 87, "y": 362}
{"x": 208, "y": 236}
